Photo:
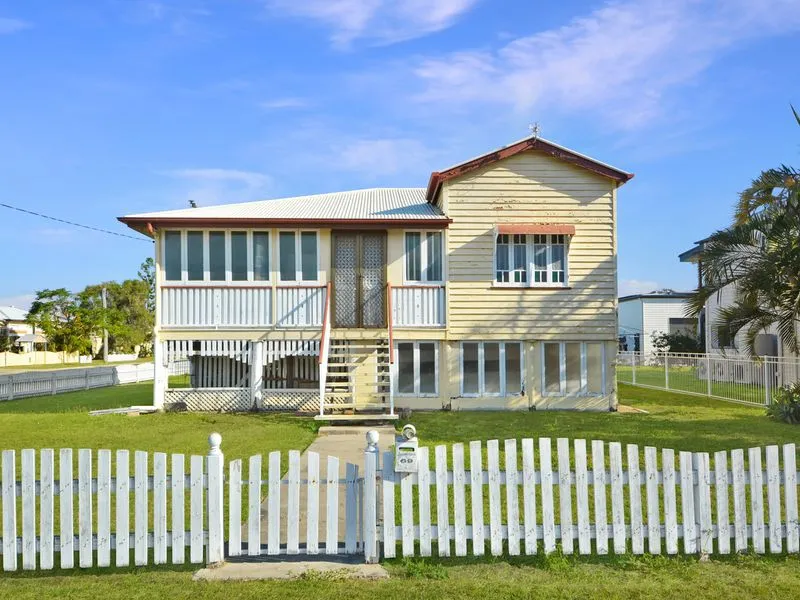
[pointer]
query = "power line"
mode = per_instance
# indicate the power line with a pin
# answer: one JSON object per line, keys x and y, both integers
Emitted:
{"x": 36, "y": 214}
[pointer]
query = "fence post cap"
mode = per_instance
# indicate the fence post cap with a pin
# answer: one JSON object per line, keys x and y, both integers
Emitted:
{"x": 214, "y": 441}
{"x": 372, "y": 440}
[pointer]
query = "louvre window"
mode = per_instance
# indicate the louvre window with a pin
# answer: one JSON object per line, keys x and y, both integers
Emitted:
{"x": 417, "y": 368}
{"x": 299, "y": 259}
{"x": 424, "y": 256}
{"x": 491, "y": 369}
{"x": 172, "y": 256}
{"x": 573, "y": 369}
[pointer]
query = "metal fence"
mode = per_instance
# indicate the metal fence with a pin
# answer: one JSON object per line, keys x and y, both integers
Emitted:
{"x": 749, "y": 380}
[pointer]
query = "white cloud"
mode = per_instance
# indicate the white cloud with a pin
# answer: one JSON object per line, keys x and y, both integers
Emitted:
{"x": 8, "y": 26}
{"x": 382, "y": 21}
{"x": 380, "y": 156}
{"x": 218, "y": 186}
{"x": 628, "y": 287}
{"x": 281, "y": 103}
{"x": 619, "y": 61}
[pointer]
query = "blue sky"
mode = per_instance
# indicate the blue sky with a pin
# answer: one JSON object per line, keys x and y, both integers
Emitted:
{"x": 111, "y": 107}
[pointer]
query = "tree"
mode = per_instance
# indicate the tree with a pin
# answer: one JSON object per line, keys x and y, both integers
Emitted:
{"x": 676, "y": 342}
{"x": 759, "y": 255}
{"x": 127, "y": 318}
{"x": 67, "y": 324}
{"x": 147, "y": 273}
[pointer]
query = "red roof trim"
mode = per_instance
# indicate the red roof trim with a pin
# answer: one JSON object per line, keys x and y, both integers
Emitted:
{"x": 437, "y": 178}
{"x": 525, "y": 228}
{"x": 146, "y": 224}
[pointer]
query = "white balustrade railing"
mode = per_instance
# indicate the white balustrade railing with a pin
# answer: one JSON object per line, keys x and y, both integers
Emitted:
{"x": 418, "y": 306}
{"x": 300, "y": 306}
{"x": 207, "y": 306}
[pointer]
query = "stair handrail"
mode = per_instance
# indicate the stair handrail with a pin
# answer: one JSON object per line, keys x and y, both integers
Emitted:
{"x": 324, "y": 348}
{"x": 390, "y": 318}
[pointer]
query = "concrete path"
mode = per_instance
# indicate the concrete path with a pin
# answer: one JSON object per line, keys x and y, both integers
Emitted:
{"x": 348, "y": 444}
{"x": 286, "y": 568}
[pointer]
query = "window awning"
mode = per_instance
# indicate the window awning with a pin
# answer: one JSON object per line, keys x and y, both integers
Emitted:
{"x": 529, "y": 228}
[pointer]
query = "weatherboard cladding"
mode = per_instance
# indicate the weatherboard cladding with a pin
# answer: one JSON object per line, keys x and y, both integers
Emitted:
{"x": 379, "y": 204}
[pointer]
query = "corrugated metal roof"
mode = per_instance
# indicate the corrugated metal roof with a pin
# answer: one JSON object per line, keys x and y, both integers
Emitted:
{"x": 376, "y": 203}
{"x": 12, "y": 313}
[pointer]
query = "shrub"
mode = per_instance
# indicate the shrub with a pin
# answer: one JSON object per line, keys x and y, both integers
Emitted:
{"x": 786, "y": 404}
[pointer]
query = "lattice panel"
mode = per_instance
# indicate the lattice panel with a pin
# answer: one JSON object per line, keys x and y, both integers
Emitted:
{"x": 217, "y": 400}
{"x": 372, "y": 280}
{"x": 345, "y": 280}
{"x": 291, "y": 400}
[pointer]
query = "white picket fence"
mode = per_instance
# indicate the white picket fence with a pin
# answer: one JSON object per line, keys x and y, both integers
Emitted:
{"x": 691, "y": 502}
{"x": 58, "y": 381}
{"x": 518, "y": 498}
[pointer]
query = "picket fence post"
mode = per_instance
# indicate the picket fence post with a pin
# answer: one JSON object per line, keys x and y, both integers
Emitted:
{"x": 216, "y": 526}
{"x": 708, "y": 375}
{"x": 370, "y": 504}
{"x": 666, "y": 370}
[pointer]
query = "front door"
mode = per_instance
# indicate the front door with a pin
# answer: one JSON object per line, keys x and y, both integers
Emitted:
{"x": 359, "y": 279}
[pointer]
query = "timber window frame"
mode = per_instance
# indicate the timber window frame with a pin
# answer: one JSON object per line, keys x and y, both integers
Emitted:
{"x": 199, "y": 273}
{"x": 424, "y": 273}
{"x": 531, "y": 260}
{"x": 504, "y": 385}
{"x": 591, "y": 381}
{"x": 299, "y": 275}
{"x": 416, "y": 368}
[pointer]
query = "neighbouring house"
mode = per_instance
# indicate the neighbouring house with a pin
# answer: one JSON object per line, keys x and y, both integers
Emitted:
{"x": 492, "y": 288}
{"x": 718, "y": 338}
{"x": 642, "y": 315}
{"x": 14, "y": 326}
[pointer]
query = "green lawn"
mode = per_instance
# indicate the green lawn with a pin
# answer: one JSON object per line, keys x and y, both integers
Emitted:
{"x": 678, "y": 421}
{"x": 673, "y": 420}
{"x": 62, "y": 421}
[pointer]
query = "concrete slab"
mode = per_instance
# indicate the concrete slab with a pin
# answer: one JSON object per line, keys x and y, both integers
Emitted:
{"x": 346, "y": 443}
{"x": 290, "y": 569}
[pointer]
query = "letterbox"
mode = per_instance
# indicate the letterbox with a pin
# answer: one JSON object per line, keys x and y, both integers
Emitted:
{"x": 405, "y": 451}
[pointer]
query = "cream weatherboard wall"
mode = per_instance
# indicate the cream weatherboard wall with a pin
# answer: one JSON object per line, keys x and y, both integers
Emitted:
{"x": 532, "y": 188}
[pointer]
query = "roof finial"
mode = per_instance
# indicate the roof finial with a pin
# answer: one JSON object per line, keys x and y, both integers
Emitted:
{"x": 535, "y": 130}
{"x": 192, "y": 203}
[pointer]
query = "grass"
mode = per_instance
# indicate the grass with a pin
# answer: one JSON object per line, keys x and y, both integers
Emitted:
{"x": 673, "y": 420}
{"x": 62, "y": 421}
{"x": 533, "y": 577}
{"x": 53, "y": 367}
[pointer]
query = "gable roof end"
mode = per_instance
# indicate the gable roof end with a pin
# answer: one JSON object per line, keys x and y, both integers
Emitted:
{"x": 529, "y": 143}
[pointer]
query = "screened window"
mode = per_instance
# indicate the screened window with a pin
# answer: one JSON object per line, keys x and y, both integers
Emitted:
{"x": 491, "y": 369}
{"x": 172, "y": 255}
{"x": 424, "y": 256}
{"x": 261, "y": 256}
{"x": 531, "y": 260}
{"x": 417, "y": 368}
{"x": 573, "y": 369}
{"x": 298, "y": 259}
{"x": 238, "y": 256}
{"x": 194, "y": 255}
{"x": 216, "y": 255}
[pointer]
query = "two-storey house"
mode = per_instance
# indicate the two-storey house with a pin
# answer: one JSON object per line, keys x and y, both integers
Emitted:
{"x": 492, "y": 288}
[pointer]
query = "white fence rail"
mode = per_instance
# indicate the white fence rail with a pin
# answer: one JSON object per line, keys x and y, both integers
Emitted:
{"x": 728, "y": 377}
{"x": 44, "y": 383}
{"x": 518, "y": 497}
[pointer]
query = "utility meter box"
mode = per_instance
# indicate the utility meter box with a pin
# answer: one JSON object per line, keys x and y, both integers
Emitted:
{"x": 405, "y": 455}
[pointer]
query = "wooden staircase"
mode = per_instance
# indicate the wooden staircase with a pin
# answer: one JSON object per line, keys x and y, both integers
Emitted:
{"x": 358, "y": 377}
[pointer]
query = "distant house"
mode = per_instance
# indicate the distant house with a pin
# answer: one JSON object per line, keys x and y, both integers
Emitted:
{"x": 642, "y": 315}
{"x": 719, "y": 338}
{"x": 13, "y": 325}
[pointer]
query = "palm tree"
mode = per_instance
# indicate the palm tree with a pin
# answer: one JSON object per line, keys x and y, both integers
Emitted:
{"x": 760, "y": 256}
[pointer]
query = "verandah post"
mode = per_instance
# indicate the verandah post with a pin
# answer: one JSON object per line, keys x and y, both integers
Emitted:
{"x": 215, "y": 551}
{"x": 369, "y": 505}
